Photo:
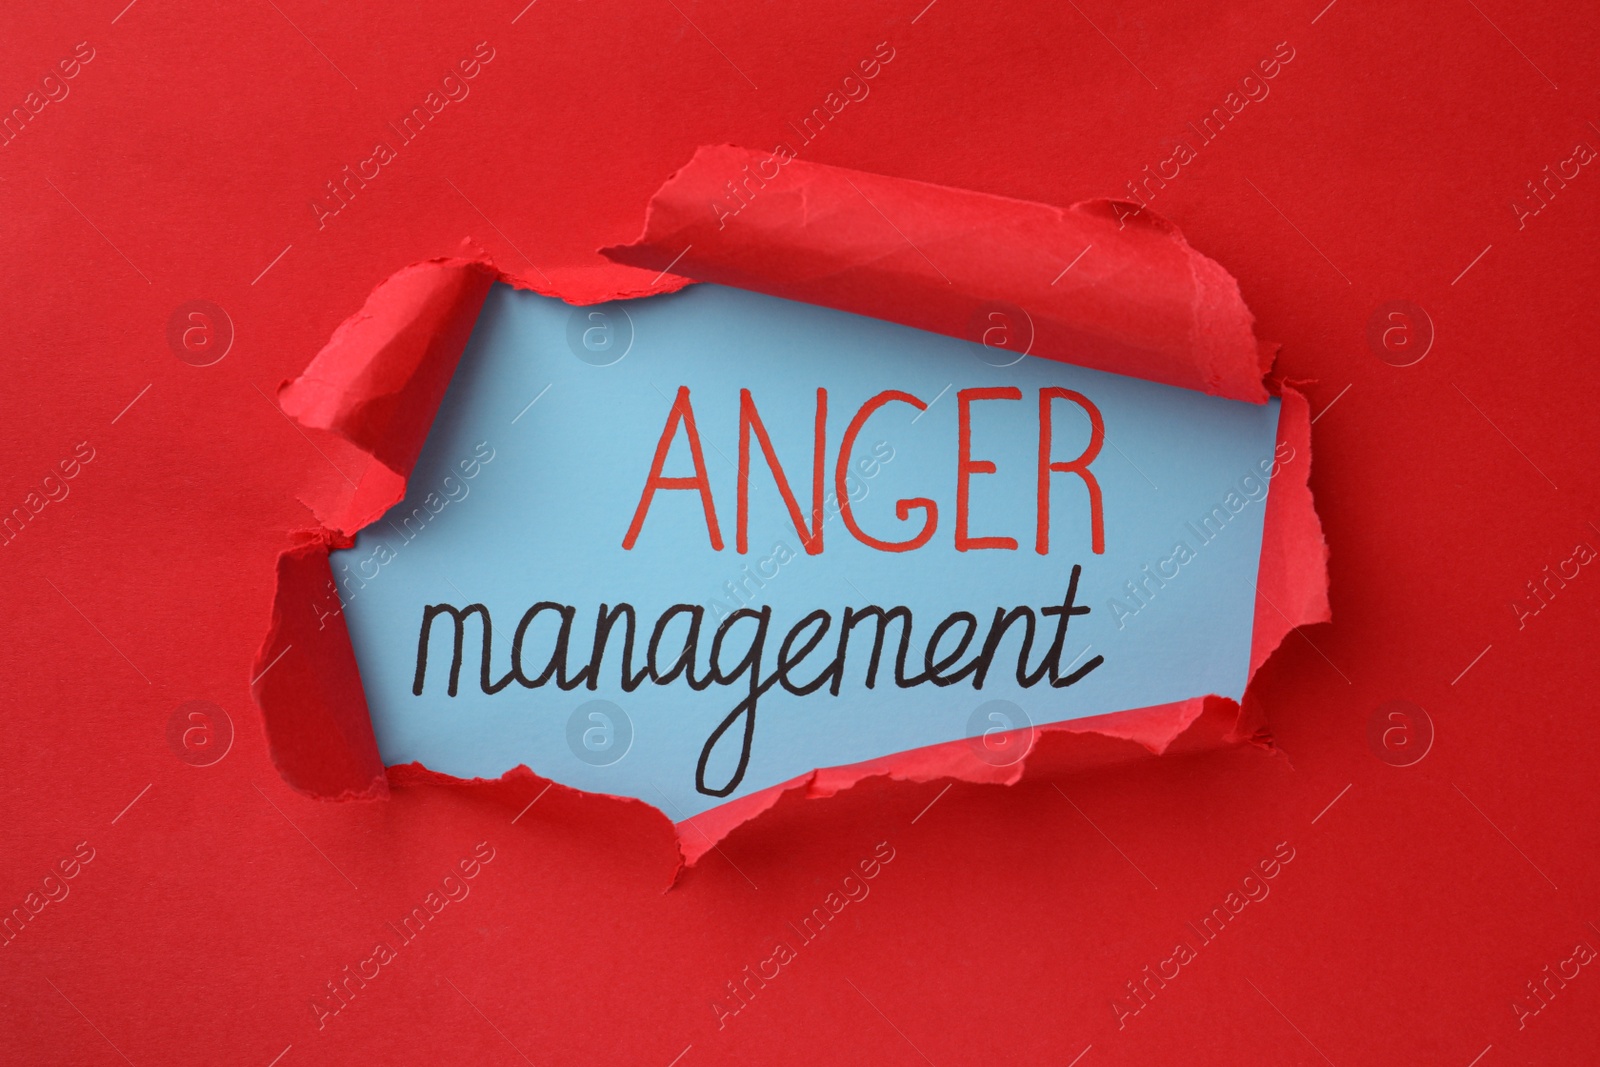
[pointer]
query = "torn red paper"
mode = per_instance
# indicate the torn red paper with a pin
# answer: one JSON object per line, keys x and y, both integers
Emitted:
{"x": 1126, "y": 296}
{"x": 312, "y": 704}
{"x": 1291, "y": 590}
{"x": 1102, "y": 284}
{"x": 379, "y": 380}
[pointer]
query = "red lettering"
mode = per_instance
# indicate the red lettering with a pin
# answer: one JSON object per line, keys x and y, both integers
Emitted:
{"x": 966, "y": 466}
{"x": 750, "y": 419}
{"x": 1079, "y": 466}
{"x": 902, "y": 508}
{"x": 811, "y": 534}
{"x": 681, "y": 412}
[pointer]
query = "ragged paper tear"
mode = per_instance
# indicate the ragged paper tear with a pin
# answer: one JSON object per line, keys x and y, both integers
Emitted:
{"x": 1291, "y": 590}
{"x": 1096, "y": 285}
{"x": 1102, "y": 284}
{"x": 378, "y": 381}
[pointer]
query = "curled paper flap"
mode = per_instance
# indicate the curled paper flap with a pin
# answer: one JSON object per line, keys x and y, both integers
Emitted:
{"x": 1150, "y": 307}
{"x": 376, "y": 385}
{"x": 1291, "y": 590}
{"x": 1102, "y": 284}
{"x": 309, "y": 690}
{"x": 378, "y": 381}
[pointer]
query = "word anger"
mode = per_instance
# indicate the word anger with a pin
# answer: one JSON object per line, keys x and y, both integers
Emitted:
{"x": 682, "y": 415}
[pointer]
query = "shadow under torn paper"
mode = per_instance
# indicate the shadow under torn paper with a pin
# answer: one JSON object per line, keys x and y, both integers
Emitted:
{"x": 1066, "y": 284}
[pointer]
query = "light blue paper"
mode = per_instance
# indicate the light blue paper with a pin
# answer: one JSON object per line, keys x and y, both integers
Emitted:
{"x": 532, "y": 473}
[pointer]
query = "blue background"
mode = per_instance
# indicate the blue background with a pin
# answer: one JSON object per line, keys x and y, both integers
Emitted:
{"x": 545, "y": 519}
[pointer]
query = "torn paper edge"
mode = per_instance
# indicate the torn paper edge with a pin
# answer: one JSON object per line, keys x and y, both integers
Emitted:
{"x": 1291, "y": 590}
{"x": 1103, "y": 284}
{"x": 379, "y": 381}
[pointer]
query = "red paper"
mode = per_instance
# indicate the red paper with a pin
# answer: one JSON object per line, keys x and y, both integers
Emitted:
{"x": 1400, "y": 156}
{"x": 1149, "y": 305}
{"x": 1102, "y": 284}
